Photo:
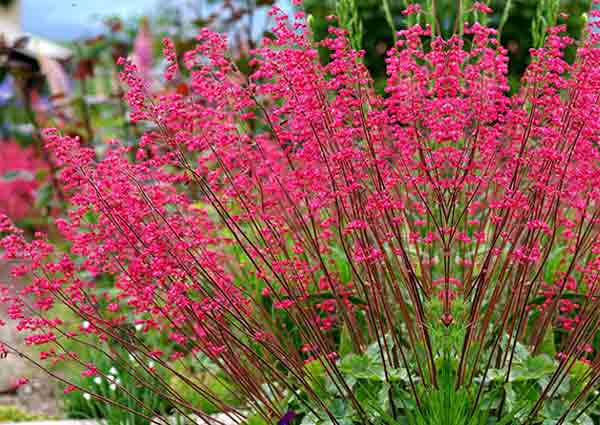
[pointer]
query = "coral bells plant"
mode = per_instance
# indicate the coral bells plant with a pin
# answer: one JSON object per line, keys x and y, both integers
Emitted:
{"x": 292, "y": 248}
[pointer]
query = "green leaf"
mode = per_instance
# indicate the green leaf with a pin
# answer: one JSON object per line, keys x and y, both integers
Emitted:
{"x": 374, "y": 350}
{"x": 554, "y": 409}
{"x": 539, "y": 366}
{"x": 521, "y": 352}
{"x": 398, "y": 375}
{"x": 389, "y": 18}
{"x": 585, "y": 420}
{"x": 91, "y": 217}
{"x": 511, "y": 397}
{"x": 41, "y": 175}
{"x": 383, "y": 397}
{"x": 553, "y": 263}
{"x": 579, "y": 370}
{"x": 255, "y": 420}
{"x": 345, "y": 342}
{"x": 491, "y": 400}
{"x": 310, "y": 419}
{"x": 362, "y": 366}
{"x": 342, "y": 265}
{"x": 547, "y": 346}
{"x": 367, "y": 392}
{"x": 44, "y": 196}
{"x": 333, "y": 389}
{"x": 316, "y": 375}
{"x": 338, "y": 408}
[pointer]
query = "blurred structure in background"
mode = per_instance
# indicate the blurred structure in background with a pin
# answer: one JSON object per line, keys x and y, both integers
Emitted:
{"x": 31, "y": 68}
{"x": 11, "y": 30}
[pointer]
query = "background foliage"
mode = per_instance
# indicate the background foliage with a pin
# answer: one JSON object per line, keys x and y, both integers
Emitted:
{"x": 516, "y": 32}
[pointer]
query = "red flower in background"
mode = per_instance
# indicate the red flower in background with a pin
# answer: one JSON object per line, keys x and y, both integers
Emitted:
{"x": 18, "y": 166}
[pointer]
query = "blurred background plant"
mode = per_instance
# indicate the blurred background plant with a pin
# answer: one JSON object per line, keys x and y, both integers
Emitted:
{"x": 15, "y": 414}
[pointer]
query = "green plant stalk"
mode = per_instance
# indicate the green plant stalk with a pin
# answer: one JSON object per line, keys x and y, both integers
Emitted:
{"x": 350, "y": 19}
{"x": 504, "y": 18}
{"x": 389, "y": 18}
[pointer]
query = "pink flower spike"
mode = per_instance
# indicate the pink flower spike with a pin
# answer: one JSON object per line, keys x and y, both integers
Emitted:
{"x": 412, "y": 9}
{"x": 482, "y": 7}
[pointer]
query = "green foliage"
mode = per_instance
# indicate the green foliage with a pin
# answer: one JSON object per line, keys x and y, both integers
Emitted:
{"x": 446, "y": 405}
{"x": 546, "y": 15}
{"x": 384, "y": 395}
{"x": 365, "y": 375}
{"x": 442, "y": 406}
{"x": 211, "y": 378}
{"x": 504, "y": 18}
{"x": 385, "y": 4}
{"x": 117, "y": 385}
{"x": 347, "y": 11}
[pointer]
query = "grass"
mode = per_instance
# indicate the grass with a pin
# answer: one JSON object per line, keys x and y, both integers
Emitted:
{"x": 14, "y": 414}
